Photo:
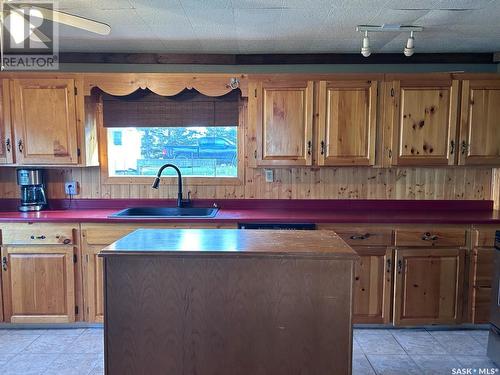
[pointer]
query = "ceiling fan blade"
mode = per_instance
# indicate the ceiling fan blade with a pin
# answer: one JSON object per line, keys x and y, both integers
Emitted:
{"x": 74, "y": 21}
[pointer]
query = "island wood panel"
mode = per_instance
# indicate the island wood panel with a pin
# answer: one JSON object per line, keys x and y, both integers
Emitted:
{"x": 44, "y": 121}
{"x": 480, "y": 123}
{"x": 222, "y": 315}
{"x": 6, "y": 140}
{"x": 347, "y": 122}
{"x": 299, "y": 183}
{"x": 38, "y": 284}
{"x": 428, "y": 286}
{"x": 424, "y": 122}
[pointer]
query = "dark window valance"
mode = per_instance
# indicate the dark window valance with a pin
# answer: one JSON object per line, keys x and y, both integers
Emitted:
{"x": 144, "y": 108}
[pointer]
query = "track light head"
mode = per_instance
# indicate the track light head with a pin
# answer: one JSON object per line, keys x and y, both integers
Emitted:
{"x": 410, "y": 49}
{"x": 365, "y": 49}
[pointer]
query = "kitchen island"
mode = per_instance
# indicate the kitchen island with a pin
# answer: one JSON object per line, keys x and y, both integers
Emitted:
{"x": 227, "y": 302}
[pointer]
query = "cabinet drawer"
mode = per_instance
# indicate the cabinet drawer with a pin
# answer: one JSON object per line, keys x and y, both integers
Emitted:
{"x": 486, "y": 237}
{"x": 430, "y": 237}
{"x": 38, "y": 233}
{"x": 364, "y": 236}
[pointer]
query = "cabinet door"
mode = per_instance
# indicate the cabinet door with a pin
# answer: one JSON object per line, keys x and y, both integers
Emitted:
{"x": 372, "y": 285}
{"x": 44, "y": 120}
{"x": 347, "y": 122}
{"x": 480, "y": 123}
{"x": 428, "y": 286}
{"x": 284, "y": 123}
{"x": 38, "y": 284}
{"x": 93, "y": 284}
{"x": 6, "y": 148}
{"x": 424, "y": 122}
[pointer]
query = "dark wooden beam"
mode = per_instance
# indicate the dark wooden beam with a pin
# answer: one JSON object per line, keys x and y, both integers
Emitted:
{"x": 275, "y": 59}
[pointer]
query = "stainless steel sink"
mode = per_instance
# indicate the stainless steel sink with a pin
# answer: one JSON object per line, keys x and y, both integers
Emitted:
{"x": 166, "y": 212}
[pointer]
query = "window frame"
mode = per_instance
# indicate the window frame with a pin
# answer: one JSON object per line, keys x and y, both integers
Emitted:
{"x": 172, "y": 180}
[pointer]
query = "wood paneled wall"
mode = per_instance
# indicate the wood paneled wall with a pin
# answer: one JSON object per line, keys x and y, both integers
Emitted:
{"x": 302, "y": 183}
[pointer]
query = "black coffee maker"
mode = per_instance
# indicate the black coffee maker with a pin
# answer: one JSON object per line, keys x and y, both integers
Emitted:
{"x": 32, "y": 190}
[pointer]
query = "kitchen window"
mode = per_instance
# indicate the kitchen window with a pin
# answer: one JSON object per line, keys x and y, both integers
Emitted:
{"x": 197, "y": 151}
{"x": 197, "y": 133}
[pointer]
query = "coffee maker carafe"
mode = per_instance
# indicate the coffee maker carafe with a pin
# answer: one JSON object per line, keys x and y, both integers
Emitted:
{"x": 32, "y": 190}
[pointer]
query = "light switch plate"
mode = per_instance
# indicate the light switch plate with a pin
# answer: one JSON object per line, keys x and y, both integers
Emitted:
{"x": 71, "y": 188}
{"x": 269, "y": 175}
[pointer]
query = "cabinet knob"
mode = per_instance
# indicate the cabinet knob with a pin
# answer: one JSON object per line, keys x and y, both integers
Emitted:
{"x": 42, "y": 237}
{"x": 20, "y": 145}
{"x": 465, "y": 147}
{"x": 360, "y": 236}
{"x": 429, "y": 237}
{"x": 389, "y": 265}
{"x": 400, "y": 266}
{"x": 7, "y": 144}
{"x": 322, "y": 147}
{"x": 309, "y": 147}
{"x": 4, "y": 263}
{"x": 452, "y": 147}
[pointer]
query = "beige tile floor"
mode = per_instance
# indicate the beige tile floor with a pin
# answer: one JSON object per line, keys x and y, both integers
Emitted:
{"x": 375, "y": 351}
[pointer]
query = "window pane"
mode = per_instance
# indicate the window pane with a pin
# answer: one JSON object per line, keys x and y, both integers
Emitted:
{"x": 197, "y": 151}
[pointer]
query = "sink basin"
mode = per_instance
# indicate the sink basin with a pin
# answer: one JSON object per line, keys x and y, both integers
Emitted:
{"x": 166, "y": 212}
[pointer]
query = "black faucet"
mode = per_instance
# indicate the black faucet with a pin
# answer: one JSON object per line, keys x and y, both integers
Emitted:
{"x": 180, "y": 201}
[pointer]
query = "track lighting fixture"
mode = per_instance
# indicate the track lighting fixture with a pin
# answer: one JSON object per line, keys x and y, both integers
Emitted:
{"x": 410, "y": 49}
{"x": 365, "y": 49}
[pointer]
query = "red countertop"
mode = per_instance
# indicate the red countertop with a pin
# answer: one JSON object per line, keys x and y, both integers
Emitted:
{"x": 273, "y": 211}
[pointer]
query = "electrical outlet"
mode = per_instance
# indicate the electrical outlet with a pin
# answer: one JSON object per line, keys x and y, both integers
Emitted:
{"x": 269, "y": 175}
{"x": 71, "y": 188}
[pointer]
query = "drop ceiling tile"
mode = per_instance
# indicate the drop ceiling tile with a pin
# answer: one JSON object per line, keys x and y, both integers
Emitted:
{"x": 335, "y": 46}
{"x": 299, "y": 24}
{"x": 93, "y": 4}
{"x": 193, "y": 5}
{"x": 461, "y": 4}
{"x": 393, "y": 16}
{"x": 255, "y": 24}
{"x": 257, "y": 4}
{"x": 124, "y": 46}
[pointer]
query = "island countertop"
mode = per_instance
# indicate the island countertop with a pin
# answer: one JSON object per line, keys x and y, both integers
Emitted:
{"x": 231, "y": 242}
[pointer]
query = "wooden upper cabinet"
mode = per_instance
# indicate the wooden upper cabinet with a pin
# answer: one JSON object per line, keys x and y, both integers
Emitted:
{"x": 480, "y": 123}
{"x": 428, "y": 286}
{"x": 347, "y": 122}
{"x": 424, "y": 121}
{"x": 6, "y": 148}
{"x": 44, "y": 117}
{"x": 284, "y": 123}
{"x": 38, "y": 284}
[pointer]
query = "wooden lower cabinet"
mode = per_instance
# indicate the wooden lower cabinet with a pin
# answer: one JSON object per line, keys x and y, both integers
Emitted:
{"x": 38, "y": 284}
{"x": 428, "y": 286}
{"x": 372, "y": 285}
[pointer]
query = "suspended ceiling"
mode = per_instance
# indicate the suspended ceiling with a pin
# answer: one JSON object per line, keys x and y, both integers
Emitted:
{"x": 281, "y": 26}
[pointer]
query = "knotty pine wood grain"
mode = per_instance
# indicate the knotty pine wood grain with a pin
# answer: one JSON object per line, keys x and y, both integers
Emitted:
{"x": 291, "y": 183}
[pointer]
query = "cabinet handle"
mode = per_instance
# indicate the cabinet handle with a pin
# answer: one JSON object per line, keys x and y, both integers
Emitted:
{"x": 67, "y": 241}
{"x": 309, "y": 147}
{"x": 452, "y": 147}
{"x": 389, "y": 265}
{"x": 42, "y": 237}
{"x": 360, "y": 237}
{"x": 400, "y": 266}
{"x": 7, "y": 144}
{"x": 429, "y": 237}
{"x": 465, "y": 147}
{"x": 322, "y": 147}
{"x": 20, "y": 145}
{"x": 4, "y": 263}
